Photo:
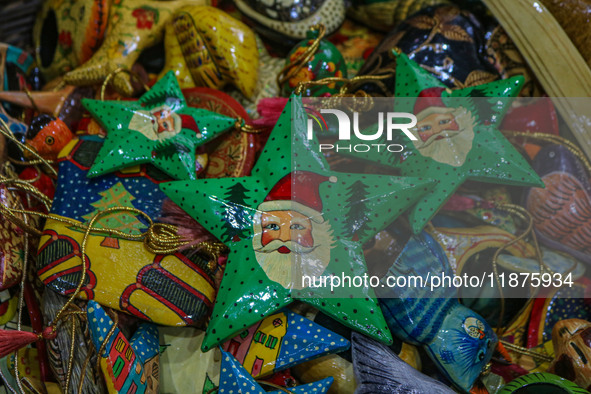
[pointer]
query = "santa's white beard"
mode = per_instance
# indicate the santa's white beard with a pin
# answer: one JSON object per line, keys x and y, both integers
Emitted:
{"x": 287, "y": 269}
{"x": 454, "y": 147}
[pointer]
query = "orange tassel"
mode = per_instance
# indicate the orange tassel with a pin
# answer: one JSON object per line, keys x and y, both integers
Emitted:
{"x": 11, "y": 341}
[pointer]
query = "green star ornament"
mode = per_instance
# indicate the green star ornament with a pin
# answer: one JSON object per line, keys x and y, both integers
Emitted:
{"x": 284, "y": 222}
{"x": 159, "y": 128}
{"x": 456, "y": 137}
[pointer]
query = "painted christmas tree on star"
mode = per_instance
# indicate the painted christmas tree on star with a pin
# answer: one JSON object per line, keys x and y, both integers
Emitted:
{"x": 116, "y": 196}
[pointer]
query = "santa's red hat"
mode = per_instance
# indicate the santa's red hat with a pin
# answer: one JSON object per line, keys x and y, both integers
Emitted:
{"x": 430, "y": 101}
{"x": 298, "y": 191}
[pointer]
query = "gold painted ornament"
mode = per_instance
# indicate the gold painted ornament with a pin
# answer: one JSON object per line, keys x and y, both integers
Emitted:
{"x": 67, "y": 33}
{"x": 207, "y": 47}
{"x": 133, "y": 26}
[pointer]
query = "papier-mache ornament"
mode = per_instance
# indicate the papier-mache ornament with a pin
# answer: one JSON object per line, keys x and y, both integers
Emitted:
{"x": 378, "y": 370}
{"x": 127, "y": 365}
{"x": 459, "y": 341}
{"x": 146, "y": 285}
{"x": 47, "y": 136}
{"x": 541, "y": 383}
{"x": 325, "y": 62}
{"x": 160, "y": 128}
{"x": 282, "y": 22}
{"x": 200, "y": 55}
{"x": 12, "y": 242}
{"x": 571, "y": 339}
{"x": 234, "y": 379}
{"x": 281, "y": 341}
{"x": 67, "y": 33}
{"x": 455, "y": 138}
{"x": 134, "y": 25}
{"x": 460, "y": 60}
{"x": 561, "y": 211}
{"x": 275, "y": 344}
{"x": 268, "y": 261}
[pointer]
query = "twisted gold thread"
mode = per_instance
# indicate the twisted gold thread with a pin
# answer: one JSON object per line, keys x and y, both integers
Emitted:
{"x": 294, "y": 67}
{"x": 5, "y": 130}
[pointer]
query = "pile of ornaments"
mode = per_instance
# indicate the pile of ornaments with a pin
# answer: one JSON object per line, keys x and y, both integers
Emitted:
{"x": 151, "y": 207}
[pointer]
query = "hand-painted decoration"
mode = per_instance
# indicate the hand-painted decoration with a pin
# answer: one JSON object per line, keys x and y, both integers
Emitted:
{"x": 339, "y": 365}
{"x": 48, "y": 136}
{"x": 233, "y": 375}
{"x": 64, "y": 104}
{"x": 282, "y": 22}
{"x": 541, "y": 383}
{"x": 134, "y": 25}
{"x": 455, "y": 139}
{"x": 202, "y": 56}
{"x": 572, "y": 351}
{"x": 463, "y": 244}
{"x": 326, "y": 62}
{"x": 58, "y": 349}
{"x": 280, "y": 341}
{"x": 256, "y": 217}
{"x": 146, "y": 285}
{"x": 459, "y": 63}
{"x": 378, "y": 370}
{"x": 128, "y": 365}
{"x": 561, "y": 211}
{"x": 459, "y": 341}
{"x": 67, "y": 33}
{"x": 12, "y": 246}
{"x": 160, "y": 128}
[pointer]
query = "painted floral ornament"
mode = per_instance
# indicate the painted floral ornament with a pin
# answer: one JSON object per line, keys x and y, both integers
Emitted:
{"x": 235, "y": 379}
{"x": 455, "y": 139}
{"x": 267, "y": 262}
{"x": 67, "y": 33}
{"x": 160, "y": 128}
{"x": 561, "y": 210}
{"x": 325, "y": 62}
{"x": 128, "y": 365}
{"x": 133, "y": 26}
{"x": 572, "y": 350}
{"x": 380, "y": 371}
{"x": 281, "y": 341}
{"x": 459, "y": 341}
{"x": 459, "y": 61}
{"x": 210, "y": 57}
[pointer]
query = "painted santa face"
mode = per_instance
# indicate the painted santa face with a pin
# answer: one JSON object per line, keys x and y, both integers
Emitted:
{"x": 288, "y": 244}
{"x": 158, "y": 123}
{"x": 433, "y": 127}
{"x": 286, "y": 226}
{"x": 445, "y": 134}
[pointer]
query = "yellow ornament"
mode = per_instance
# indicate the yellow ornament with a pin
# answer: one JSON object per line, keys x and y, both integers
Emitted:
{"x": 133, "y": 26}
{"x": 207, "y": 47}
{"x": 119, "y": 274}
{"x": 67, "y": 32}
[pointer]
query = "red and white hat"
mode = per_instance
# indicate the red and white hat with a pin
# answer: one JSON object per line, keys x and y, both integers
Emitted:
{"x": 303, "y": 198}
{"x": 430, "y": 102}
